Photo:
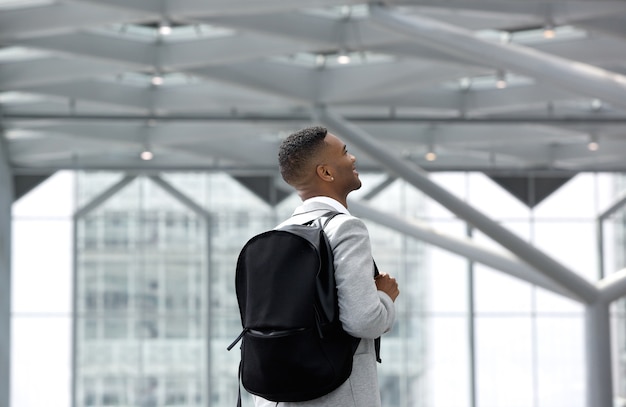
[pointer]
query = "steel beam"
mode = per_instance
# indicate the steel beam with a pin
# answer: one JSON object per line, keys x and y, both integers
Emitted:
{"x": 195, "y": 8}
{"x": 504, "y": 262}
{"x": 104, "y": 196}
{"x": 54, "y": 70}
{"x": 613, "y": 286}
{"x": 62, "y": 17}
{"x": 564, "y": 120}
{"x": 467, "y": 248}
{"x": 182, "y": 198}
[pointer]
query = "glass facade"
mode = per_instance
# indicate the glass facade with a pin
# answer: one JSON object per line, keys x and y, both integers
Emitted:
{"x": 142, "y": 272}
{"x": 155, "y": 307}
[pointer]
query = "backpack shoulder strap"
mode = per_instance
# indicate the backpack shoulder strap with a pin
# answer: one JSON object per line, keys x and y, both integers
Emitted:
{"x": 330, "y": 215}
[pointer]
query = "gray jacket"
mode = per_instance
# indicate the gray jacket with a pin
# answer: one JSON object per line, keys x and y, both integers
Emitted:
{"x": 364, "y": 311}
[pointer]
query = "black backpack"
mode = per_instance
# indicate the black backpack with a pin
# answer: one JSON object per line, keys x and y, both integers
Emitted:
{"x": 294, "y": 347}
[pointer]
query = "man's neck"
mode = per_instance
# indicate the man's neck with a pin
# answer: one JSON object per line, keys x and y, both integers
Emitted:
{"x": 342, "y": 201}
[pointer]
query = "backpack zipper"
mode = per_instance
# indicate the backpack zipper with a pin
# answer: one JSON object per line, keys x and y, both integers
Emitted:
{"x": 283, "y": 332}
{"x": 238, "y": 339}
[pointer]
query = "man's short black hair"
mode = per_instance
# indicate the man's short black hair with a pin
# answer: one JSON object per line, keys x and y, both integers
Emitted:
{"x": 297, "y": 151}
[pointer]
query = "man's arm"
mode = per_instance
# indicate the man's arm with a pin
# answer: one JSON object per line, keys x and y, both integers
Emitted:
{"x": 364, "y": 310}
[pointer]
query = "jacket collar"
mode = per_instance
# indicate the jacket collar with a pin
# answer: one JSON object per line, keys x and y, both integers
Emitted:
{"x": 320, "y": 204}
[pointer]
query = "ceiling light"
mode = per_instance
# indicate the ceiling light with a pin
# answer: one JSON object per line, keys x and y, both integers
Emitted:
{"x": 593, "y": 143}
{"x": 157, "y": 80}
{"x": 465, "y": 83}
{"x": 146, "y": 155}
{"x": 343, "y": 58}
{"x": 548, "y": 31}
{"x": 596, "y": 104}
{"x": 430, "y": 156}
{"x": 320, "y": 60}
{"x": 501, "y": 81}
{"x": 165, "y": 28}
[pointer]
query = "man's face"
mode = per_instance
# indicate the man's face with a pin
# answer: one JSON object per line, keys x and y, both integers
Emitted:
{"x": 341, "y": 164}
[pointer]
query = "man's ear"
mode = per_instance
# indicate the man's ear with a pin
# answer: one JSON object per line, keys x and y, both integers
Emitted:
{"x": 324, "y": 173}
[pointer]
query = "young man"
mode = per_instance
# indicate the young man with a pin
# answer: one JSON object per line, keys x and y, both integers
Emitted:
{"x": 317, "y": 164}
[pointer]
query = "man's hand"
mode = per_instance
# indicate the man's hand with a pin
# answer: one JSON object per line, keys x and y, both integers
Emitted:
{"x": 388, "y": 285}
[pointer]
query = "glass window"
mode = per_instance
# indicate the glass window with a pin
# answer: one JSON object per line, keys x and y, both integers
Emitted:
{"x": 115, "y": 328}
{"x": 504, "y": 361}
{"x": 113, "y": 392}
{"x": 90, "y": 328}
{"x": 175, "y": 393}
{"x": 496, "y": 292}
{"x": 176, "y": 327}
{"x": 147, "y": 390}
{"x": 90, "y": 393}
{"x": 116, "y": 226}
{"x": 566, "y": 241}
{"x": 445, "y": 364}
{"x": 560, "y": 359}
{"x": 146, "y": 328}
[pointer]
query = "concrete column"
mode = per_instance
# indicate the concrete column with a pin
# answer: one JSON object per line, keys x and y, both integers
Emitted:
{"x": 6, "y": 200}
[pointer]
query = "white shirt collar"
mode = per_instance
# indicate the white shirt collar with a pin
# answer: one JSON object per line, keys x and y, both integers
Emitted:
{"x": 329, "y": 201}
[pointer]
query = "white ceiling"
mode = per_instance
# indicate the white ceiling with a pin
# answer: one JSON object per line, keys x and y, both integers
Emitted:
{"x": 76, "y": 85}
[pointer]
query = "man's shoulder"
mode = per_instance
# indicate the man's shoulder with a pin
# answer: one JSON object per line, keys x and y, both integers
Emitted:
{"x": 345, "y": 223}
